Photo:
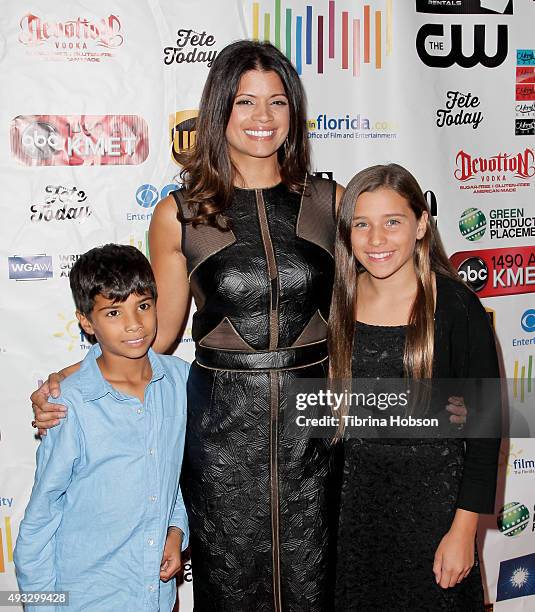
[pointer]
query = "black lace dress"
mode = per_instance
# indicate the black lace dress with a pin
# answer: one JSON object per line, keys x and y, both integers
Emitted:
{"x": 398, "y": 501}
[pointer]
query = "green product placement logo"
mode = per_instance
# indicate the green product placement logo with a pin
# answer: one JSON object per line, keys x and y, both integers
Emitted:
{"x": 473, "y": 224}
{"x": 513, "y": 518}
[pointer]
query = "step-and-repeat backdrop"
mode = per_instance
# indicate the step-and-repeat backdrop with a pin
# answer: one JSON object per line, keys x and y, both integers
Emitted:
{"x": 96, "y": 100}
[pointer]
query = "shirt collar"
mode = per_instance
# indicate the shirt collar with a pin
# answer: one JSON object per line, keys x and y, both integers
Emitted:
{"x": 95, "y": 386}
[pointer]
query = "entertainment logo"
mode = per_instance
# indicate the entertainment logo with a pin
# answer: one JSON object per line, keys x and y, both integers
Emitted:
{"x": 349, "y": 127}
{"x": 76, "y": 140}
{"x": 61, "y": 204}
{"x": 516, "y": 578}
{"x": 527, "y": 324}
{"x": 73, "y": 40}
{"x": 495, "y": 174}
{"x": 191, "y": 47}
{"x": 182, "y": 132}
{"x": 430, "y": 38}
{"x": 504, "y": 223}
{"x": 30, "y": 267}
{"x": 147, "y": 196}
{"x": 495, "y": 272}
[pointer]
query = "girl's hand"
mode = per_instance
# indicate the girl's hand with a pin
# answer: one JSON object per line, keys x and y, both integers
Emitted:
{"x": 454, "y": 557}
{"x": 458, "y": 410}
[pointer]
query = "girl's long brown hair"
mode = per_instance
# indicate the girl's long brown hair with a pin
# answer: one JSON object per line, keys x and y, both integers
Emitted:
{"x": 429, "y": 256}
{"x": 208, "y": 173}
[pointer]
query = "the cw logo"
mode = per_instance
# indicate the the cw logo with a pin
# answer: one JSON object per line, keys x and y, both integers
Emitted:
{"x": 456, "y": 55}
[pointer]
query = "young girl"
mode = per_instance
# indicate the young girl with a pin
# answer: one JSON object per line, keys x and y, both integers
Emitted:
{"x": 409, "y": 508}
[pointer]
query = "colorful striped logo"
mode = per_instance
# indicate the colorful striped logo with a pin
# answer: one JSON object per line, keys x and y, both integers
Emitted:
{"x": 522, "y": 379}
{"x": 314, "y": 39}
{"x": 8, "y": 554}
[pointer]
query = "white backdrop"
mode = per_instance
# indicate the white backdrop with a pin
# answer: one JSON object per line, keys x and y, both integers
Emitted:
{"x": 96, "y": 96}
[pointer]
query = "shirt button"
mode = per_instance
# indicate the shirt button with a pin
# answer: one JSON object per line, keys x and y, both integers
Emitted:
{"x": 139, "y": 411}
{"x": 150, "y": 541}
{"x": 153, "y": 498}
{"x": 151, "y": 588}
{"x": 151, "y": 451}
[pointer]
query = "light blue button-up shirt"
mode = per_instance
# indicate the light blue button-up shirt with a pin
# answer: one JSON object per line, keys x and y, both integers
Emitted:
{"x": 106, "y": 489}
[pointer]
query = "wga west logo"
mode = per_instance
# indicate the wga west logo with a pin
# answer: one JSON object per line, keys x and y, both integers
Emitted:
{"x": 439, "y": 49}
{"x": 78, "y": 39}
{"x": 30, "y": 267}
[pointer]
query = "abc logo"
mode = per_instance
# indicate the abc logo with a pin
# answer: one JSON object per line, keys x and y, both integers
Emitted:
{"x": 474, "y": 271}
{"x": 528, "y": 320}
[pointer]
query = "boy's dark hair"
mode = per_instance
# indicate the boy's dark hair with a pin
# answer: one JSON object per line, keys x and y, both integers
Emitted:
{"x": 114, "y": 271}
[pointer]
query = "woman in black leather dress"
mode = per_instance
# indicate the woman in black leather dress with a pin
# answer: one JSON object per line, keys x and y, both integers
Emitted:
{"x": 252, "y": 235}
{"x": 254, "y": 238}
{"x": 409, "y": 507}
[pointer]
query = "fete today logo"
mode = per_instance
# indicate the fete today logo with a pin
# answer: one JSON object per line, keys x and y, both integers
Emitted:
{"x": 191, "y": 48}
{"x": 75, "y": 40}
{"x": 61, "y": 204}
{"x": 459, "y": 109}
{"x": 79, "y": 140}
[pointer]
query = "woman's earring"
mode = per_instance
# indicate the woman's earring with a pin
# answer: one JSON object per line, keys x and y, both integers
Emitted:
{"x": 285, "y": 146}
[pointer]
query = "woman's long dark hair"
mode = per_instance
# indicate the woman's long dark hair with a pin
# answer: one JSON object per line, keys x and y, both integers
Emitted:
{"x": 208, "y": 173}
{"x": 429, "y": 256}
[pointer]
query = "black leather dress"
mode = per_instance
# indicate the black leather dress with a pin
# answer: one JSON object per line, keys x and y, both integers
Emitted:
{"x": 261, "y": 514}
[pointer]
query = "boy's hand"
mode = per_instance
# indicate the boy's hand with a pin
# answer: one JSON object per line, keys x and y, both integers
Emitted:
{"x": 172, "y": 557}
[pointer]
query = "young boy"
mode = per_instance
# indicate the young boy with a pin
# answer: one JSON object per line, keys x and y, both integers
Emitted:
{"x": 106, "y": 521}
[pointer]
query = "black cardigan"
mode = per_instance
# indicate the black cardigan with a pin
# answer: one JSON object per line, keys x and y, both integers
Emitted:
{"x": 465, "y": 347}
